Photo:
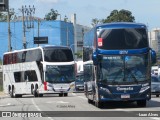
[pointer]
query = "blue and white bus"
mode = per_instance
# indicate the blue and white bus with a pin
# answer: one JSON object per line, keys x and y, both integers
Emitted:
{"x": 117, "y": 63}
{"x": 38, "y": 71}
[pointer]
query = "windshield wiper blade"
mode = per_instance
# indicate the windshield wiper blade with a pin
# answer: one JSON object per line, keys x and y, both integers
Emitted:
{"x": 135, "y": 79}
{"x": 114, "y": 80}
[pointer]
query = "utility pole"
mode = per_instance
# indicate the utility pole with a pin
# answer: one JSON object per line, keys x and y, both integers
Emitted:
{"x": 38, "y": 31}
{"x": 29, "y": 12}
{"x": 24, "y": 30}
{"x": 9, "y": 31}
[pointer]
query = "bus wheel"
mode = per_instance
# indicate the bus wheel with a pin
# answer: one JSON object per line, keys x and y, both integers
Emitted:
{"x": 60, "y": 94}
{"x": 40, "y": 95}
{"x": 32, "y": 87}
{"x": 141, "y": 103}
{"x": 10, "y": 91}
{"x": 35, "y": 91}
{"x": 89, "y": 101}
{"x": 157, "y": 95}
{"x": 98, "y": 104}
{"x": 65, "y": 94}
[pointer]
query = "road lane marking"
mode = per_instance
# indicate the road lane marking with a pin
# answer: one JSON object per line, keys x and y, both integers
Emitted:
{"x": 39, "y": 108}
{"x": 63, "y": 102}
{"x": 35, "y": 105}
{"x": 74, "y": 94}
{"x": 82, "y": 97}
{"x": 155, "y": 118}
{"x": 8, "y": 104}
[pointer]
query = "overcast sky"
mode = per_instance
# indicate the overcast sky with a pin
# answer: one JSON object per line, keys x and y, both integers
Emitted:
{"x": 144, "y": 11}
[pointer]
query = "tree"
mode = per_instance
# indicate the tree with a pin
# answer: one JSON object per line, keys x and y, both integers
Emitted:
{"x": 95, "y": 21}
{"x": 3, "y": 17}
{"x": 52, "y": 15}
{"x": 119, "y": 16}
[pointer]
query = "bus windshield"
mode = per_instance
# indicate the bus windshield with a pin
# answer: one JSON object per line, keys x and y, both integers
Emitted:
{"x": 58, "y": 55}
{"x": 124, "y": 69}
{"x": 117, "y": 39}
{"x": 60, "y": 74}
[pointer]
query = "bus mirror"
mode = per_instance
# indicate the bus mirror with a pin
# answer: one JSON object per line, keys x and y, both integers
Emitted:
{"x": 94, "y": 58}
{"x": 153, "y": 56}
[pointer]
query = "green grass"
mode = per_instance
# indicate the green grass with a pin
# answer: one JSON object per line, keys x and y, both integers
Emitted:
{"x": 1, "y": 88}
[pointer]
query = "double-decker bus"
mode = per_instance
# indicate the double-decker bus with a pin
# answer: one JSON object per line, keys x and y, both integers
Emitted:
{"x": 38, "y": 71}
{"x": 117, "y": 63}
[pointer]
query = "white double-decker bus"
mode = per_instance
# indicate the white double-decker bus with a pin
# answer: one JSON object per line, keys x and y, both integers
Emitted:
{"x": 38, "y": 71}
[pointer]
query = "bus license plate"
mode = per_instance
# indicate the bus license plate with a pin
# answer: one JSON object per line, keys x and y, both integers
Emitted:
{"x": 125, "y": 96}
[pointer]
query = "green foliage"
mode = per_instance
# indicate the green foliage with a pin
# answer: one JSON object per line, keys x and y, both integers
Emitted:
{"x": 1, "y": 88}
{"x": 115, "y": 16}
{"x": 119, "y": 16}
{"x": 0, "y": 61}
{"x": 79, "y": 54}
{"x": 3, "y": 17}
{"x": 52, "y": 15}
{"x": 95, "y": 21}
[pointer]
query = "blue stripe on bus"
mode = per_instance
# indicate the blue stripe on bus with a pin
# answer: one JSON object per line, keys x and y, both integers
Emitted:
{"x": 120, "y": 52}
{"x": 123, "y": 25}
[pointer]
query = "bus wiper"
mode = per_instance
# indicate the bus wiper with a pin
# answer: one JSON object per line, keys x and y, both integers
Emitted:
{"x": 114, "y": 80}
{"x": 135, "y": 79}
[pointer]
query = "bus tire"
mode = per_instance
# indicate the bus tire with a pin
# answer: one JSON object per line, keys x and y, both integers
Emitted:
{"x": 13, "y": 94}
{"x": 89, "y": 101}
{"x": 65, "y": 94}
{"x": 98, "y": 104}
{"x": 40, "y": 95}
{"x": 32, "y": 89}
{"x": 157, "y": 95}
{"x": 35, "y": 91}
{"x": 60, "y": 94}
{"x": 141, "y": 103}
{"x": 10, "y": 91}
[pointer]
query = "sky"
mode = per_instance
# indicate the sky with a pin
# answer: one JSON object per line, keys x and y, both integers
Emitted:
{"x": 144, "y": 11}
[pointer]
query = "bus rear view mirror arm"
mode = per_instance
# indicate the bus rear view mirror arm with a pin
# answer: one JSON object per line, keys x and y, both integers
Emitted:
{"x": 153, "y": 56}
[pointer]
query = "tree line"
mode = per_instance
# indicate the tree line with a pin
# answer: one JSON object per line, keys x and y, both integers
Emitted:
{"x": 115, "y": 16}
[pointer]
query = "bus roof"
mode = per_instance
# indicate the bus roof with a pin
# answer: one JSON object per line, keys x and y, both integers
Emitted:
{"x": 40, "y": 47}
{"x": 115, "y": 25}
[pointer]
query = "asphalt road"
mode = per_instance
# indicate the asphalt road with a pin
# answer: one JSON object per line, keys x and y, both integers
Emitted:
{"x": 53, "y": 107}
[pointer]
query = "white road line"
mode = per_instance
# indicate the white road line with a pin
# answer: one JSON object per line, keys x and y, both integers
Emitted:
{"x": 35, "y": 105}
{"x": 8, "y": 104}
{"x": 155, "y": 118}
{"x": 82, "y": 97}
{"x": 39, "y": 108}
{"x": 74, "y": 94}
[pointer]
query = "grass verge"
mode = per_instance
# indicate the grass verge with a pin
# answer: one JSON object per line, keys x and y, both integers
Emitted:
{"x": 1, "y": 87}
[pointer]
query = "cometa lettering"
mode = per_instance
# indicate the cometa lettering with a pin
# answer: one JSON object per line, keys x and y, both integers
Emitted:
{"x": 126, "y": 88}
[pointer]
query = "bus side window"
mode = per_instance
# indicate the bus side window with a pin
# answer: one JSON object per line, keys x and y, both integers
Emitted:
{"x": 17, "y": 76}
{"x": 31, "y": 76}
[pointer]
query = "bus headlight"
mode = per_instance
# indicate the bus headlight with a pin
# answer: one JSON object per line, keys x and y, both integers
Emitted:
{"x": 105, "y": 89}
{"x": 143, "y": 89}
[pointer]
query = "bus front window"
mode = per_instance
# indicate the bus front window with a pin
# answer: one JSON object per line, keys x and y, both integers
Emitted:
{"x": 60, "y": 74}
{"x": 123, "y": 69}
{"x": 136, "y": 68}
{"x": 111, "y": 69}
